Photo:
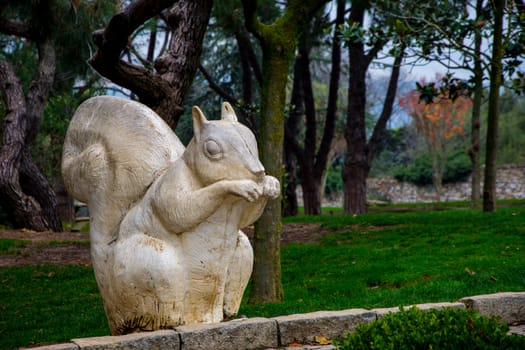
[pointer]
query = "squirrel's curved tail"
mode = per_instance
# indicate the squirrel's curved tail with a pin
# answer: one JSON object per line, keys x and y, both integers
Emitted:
{"x": 114, "y": 149}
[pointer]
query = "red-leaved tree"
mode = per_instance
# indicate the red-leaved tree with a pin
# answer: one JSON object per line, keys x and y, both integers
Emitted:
{"x": 438, "y": 121}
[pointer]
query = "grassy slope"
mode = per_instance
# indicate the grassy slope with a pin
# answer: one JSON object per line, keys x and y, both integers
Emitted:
{"x": 378, "y": 260}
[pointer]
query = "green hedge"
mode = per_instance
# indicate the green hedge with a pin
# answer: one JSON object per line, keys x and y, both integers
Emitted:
{"x": 433, "y": 329}
{"x": 419, "y": 172}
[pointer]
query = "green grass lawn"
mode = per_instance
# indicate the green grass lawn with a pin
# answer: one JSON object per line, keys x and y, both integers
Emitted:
{"x": 375, "y": 260}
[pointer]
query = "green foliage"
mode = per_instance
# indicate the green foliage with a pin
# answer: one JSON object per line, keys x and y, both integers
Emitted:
{"x": 49, "y": 304}
{"x": 458, "y": 167}
{"x": 16, "y": 50}
{"x": 396, "y": 148}
{"x": 391, "y": 258}
{"x": 433, "y": 329}
{"x": 70, "y": 25}
{"x": 419, "y": 172}
{"x": 47, "y": 147}
{"x": 334, "y": 182}
{"x": 369, "y": 261}
{"x": 511, "y": 139}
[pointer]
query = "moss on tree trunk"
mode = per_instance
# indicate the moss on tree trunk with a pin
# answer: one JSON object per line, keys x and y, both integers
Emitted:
{"x": 278, "y": 42}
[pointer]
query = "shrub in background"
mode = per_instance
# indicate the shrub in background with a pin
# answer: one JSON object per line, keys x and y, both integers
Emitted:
{"x": 419, "y": 172}
{"x": 433, "y": 329}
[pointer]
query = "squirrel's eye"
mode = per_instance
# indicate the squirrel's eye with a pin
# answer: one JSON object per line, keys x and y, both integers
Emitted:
{"x": 212, "y": 149}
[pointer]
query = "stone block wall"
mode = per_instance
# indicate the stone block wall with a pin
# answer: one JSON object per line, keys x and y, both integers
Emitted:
{"x": 510, "y": 185}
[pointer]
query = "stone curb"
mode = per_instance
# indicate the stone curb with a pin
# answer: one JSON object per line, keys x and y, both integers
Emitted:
{"x": 509, "y": 306}
{"x": 282, "y": 331}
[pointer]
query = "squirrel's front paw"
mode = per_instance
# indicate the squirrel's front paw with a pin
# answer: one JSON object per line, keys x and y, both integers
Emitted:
{"x": 247, "y": 189}
{"x": 271, "y": 187}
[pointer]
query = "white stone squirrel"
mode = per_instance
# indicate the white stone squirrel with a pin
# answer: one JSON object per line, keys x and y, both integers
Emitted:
{"x": 166, "y": 244}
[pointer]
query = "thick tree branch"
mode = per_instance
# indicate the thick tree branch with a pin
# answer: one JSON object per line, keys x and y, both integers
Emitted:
{"x": 165, "y": 90}
{"x": 215, "y": 87}
{"x": 246, "y": 48}
{"x": 16, "y": 126}
{"x": 250, "y": 17}
{"x": 294, "y": 145}
{"x": 321, "y": 158}
{"x": 13, "y": 27}
{"x": 40, "y": 87}
{"x": 114, "y": 38}
{"x": 375, "y": 140}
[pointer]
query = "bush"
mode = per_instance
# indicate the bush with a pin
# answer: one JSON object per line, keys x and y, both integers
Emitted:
{"x": 419, "y": 172}
{"x": 458, "y": 167}
{"x": 433, "y": 329}
{"x": 334, "y": 182}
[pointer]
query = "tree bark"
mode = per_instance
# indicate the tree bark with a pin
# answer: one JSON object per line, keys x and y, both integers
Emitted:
{"x": 312, "y": 163}
{"x": 489, "y": 184}
{"x": 309, "y": 181}
{"x": 24, "y": 191}
{"x": 355, "y": 167}
{"x": 166, "y": 90}
{"x": 266, "y": 277}
{"x": 311, "y": 195}
{"x": 360, "y": 154}
{"x": 292, "y": 149}
{"x": 475, "y": 118}
{"x": 278, "y": 42}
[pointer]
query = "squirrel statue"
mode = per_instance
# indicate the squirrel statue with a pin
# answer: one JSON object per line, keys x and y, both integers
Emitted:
{"x": 165, "y": 220}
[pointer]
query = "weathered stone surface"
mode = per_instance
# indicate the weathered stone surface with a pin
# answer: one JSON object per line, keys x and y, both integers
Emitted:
{"x": 509, "y": 306}
{"x": 166, "y": 244}
{"x": 244, "y": 334}
{"x": 439, "y": 306}
{"x": 63, "y": 346}
{"x": 158, "y": 340}
{"x": 380, "y": 312}
{"x": 510, "y": 185}
{"x": 331, "y": 324}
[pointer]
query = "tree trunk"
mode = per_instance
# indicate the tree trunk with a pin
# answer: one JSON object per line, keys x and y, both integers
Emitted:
{"x": 355, "y": 167}
{"x": 360, "y": 153}
{"x": 266, "y": 277}
{"x": 354, "y": 183}
{"x": 292, "y": 149}
{"x": 278, "y": 42}
{"x": 312, "y": 162}
{"x": 489, "y": 185}
{"x": 189, "y": 20}
{"x": 437, "y": 176}
{"x": 290, "y": 203}
{"x": 24, "y": 191}
{"x": 311, "y": 194}
{"x": 476, "y": 113}
{"x": 309, "y": 178}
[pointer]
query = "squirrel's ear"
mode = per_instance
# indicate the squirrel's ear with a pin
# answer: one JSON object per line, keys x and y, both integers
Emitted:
{"x": 198, "y": 120}
{"x": 227, "y": 112}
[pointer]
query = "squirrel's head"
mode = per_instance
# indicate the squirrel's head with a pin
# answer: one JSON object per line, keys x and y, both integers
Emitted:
{"x": 223, "y": 149}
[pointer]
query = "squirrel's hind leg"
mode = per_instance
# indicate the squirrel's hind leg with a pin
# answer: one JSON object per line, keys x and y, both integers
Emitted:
{"x": 238, "y": 275}
{"x": 148, "y": 285}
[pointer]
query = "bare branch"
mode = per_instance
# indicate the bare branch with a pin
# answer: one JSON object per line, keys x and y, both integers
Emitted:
{"x": 14, "y": 27}
{"x": 215, "y": 87}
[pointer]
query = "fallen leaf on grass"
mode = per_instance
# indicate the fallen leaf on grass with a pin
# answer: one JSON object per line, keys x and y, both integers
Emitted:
{"x": 467, "y": 270}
